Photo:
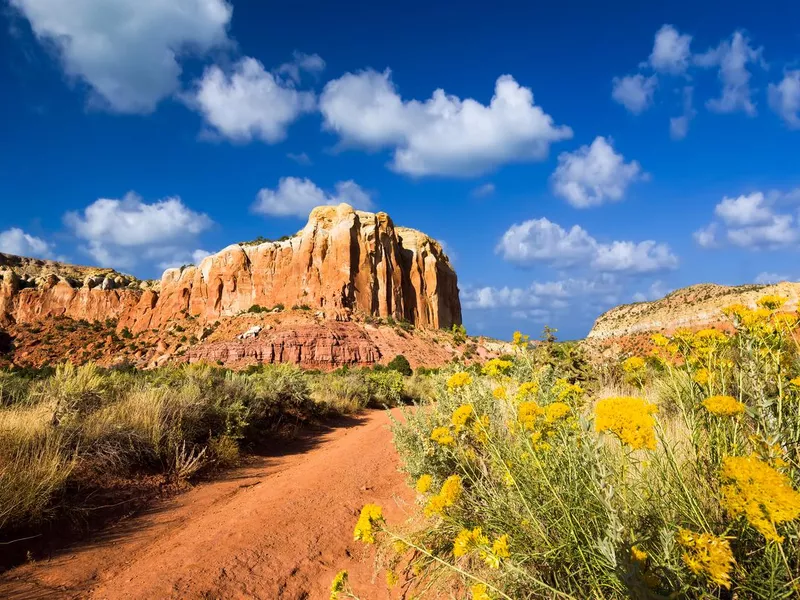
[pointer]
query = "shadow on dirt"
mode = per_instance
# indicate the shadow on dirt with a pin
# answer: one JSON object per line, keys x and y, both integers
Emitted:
{"x": 115, "y": 509}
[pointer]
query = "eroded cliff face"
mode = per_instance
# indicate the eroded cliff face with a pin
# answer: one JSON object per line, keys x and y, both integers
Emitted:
{"x": 343, "y": 261}
{"x": 691, "y": 307}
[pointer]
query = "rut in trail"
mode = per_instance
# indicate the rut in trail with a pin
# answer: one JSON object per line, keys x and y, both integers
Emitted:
{"x": 281, "y": 528}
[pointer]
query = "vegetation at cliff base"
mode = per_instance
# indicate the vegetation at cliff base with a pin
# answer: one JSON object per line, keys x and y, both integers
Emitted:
{"x": 671, "y": 475}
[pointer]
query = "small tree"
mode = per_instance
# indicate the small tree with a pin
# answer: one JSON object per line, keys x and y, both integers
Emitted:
{"x": 459, "y": 334}
{"x": 400, "y": 364}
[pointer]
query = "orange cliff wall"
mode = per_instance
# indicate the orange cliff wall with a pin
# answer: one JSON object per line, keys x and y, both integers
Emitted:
{"x": 342, "y": 260}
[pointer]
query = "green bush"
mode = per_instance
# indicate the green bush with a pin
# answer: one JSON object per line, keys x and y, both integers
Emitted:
{"x": 400, "y": 364}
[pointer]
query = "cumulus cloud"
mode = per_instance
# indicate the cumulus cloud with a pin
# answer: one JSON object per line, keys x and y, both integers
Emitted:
{"x": 542, "y": 241}
{"x": 753, "y": 221}
{"x": 766, "y": 278}
{"x": 443, "y": 135}
{"x": 654, "y": 292}
{"x": 302, "y": 63}
{"x": 784, "y": 98}
{"x": 671, "y": 51}
{"x": 249, "y": 102}
{"x": 295, "y": 197}
{"x": 16, "y": 241}
{"x": 129, "y": 51}
{"x": 634, "y": 92}
{"x": 595, "y": 174}
{"x": 301, "y": 159}
{"x": 679, "y": 126}
{"x": 732, "y": 57}
{"x": 124, "y": 233}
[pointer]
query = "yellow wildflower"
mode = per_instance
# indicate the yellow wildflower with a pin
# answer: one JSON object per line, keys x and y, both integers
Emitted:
{"x": 633, "y": 364}
{"x": 370, "y": 514}
{"x": 497, "y": 367}
{"x": 498, "y": 552}
{"x": 772, "y": 301}
{"x": 467, "y": 540}
{"x": 660, "y": 340}
{"x": 795, "y": 382}
{"x": 424, "y": 483}
{"x": 630, "y": 419}
{"x": 499, "y": 393}
{"x": 480, "y": 429}
{"x": 391, "y": 578}
{"x": 757, "y": 491}
{"x": 338, "y": 584}
{"x": 479, "y": 592}
{"x": 638, "y": 554}
{"x": 784, "y": 321}
{"x": 702, "y": 376}
{"x": 459, "y": 380}
{"x": 567, "y": 392}
{"x": 520, "y": 340}
{"x": 447, "y": 496}
{"x": 399, "y": 546}
{"x": 529, "y": 388}
{"x": 442, "y": 436}
{"x": 723, "y": 406}
{"x": 555, "y": 411}
{"x": 461, "y": 416}
{"x": 708, "y": 555}
{"x": 527, "y": 413}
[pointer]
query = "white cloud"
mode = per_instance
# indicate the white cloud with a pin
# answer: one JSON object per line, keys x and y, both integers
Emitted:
{"x": 752, "y": 221}
{"x": 766, "y": 278}
{"x": 671, "y": 51}
{"x": 654, "y": 292}
{"x": 679, "y": 126}
{"x": 182, "y": 258}
{"x": 249, "y": 103}
{"x": 301, "y": 62}
{"x": 732, "y": 57}
{"x": 634, "y": 92}
{"x": 16, "y": 241}
{"x": 443, "y": 135}
{"x": 487, "y": 189}
{"x": 301, "y": 158}
{"x": 542, "y": 295}
{"x": 594, "y": 174}
{"x": 128, "y": 51}
{"x": 784, "y": 98}
{"x": 124, "y": 233}
{"x": 296, "y": 197}
{"x": 542, "y": 241}
{"x": 751, "y": 209}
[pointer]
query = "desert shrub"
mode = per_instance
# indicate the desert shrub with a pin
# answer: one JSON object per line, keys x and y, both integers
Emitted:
{"x": 678, "y": 483}
{"x": 385, "y": 388}
{"x": 341, "y": 392}
{"x": 459, "y": 334}
{"x": 400, "y": 364}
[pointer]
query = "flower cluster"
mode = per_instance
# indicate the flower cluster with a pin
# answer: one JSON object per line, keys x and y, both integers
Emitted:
{"x": 424, "y": 483}
{"x": 633, "y": 364}
{"x": 338, "y": 584}
{"x": 527, "y": 389}
{"x": 723, "y": 406}
{"x": 758, "y": 492}
{"x": 459, "y": 380}
{"x": 497, "y": 367}
{"x": 370, "y": 515}
{"x": 630, "y": 419}
{"x": 468, "y": 540}
{"x": 567, "y": 392}
{"x": 448, "y": 495}
{"x": 528, "y": 413}
{"x": 520, "y": 340}
{"x": 442, "y": 436}
{"x": 461, "y": 416}
{"x": 708, "y": 555}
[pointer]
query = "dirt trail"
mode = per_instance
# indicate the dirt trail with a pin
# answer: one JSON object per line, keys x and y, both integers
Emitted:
{"x": 279, "y": 529}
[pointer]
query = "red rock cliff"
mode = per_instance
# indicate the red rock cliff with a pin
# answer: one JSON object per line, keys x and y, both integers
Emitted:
{"x": 342, "y": 261}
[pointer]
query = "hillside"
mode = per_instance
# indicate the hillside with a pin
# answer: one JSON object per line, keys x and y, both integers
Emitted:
{"x": 350, "y": 288}
{"x": 630, "y": 325}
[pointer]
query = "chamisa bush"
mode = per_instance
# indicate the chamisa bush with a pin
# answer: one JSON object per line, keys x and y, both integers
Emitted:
{"x": 678, "y": 480}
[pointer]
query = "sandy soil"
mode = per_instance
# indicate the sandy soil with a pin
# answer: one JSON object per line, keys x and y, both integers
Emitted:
{"x": 279, "y": 528}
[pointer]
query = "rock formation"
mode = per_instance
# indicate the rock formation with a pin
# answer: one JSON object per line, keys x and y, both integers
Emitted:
{"x": 691, "y": 307}
{"x": 344, "y": 265}
{"x": 342, "y": 260}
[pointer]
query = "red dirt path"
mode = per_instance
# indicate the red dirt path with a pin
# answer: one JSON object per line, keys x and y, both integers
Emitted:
{"x": 280, "y": 528}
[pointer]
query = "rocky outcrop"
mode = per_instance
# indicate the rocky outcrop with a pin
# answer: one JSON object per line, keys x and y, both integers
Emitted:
{"x": 691, "y": 307}
{"x": 343, "y": 260}
{"x": 312, "y": 346}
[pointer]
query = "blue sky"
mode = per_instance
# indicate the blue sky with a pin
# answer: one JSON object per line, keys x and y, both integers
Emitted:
{"x": 575, "y": 156}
